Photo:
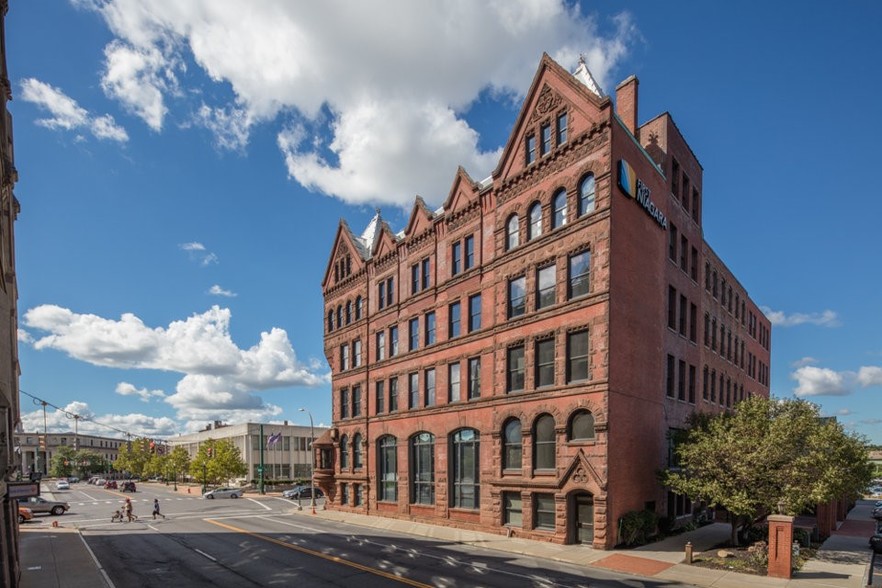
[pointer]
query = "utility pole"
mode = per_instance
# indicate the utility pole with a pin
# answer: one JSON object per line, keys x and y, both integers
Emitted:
{"x": 312, "y": 452}
{"x": 260, "y": 467}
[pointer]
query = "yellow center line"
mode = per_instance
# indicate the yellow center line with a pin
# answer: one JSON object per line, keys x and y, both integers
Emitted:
{"x": 333, "y": 558}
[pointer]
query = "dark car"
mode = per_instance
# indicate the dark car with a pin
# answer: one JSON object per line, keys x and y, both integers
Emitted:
{"x": 299, "y": 492}
{"x": 128, "y": 487}
{"x": 876, "y": 543}
{"x": 110, "y": 485}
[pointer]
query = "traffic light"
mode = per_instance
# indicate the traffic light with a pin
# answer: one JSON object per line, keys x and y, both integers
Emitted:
{"x": 209, "y": 451}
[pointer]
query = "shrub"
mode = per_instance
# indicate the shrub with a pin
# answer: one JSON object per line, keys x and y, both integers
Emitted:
{"x": 636, "y": 527}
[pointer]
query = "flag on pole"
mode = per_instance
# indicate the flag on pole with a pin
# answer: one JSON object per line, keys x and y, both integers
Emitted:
{"x": 273, "y": 439}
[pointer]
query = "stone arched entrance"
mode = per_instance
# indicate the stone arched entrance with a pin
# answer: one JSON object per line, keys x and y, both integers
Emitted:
{"x": 580, "y": 518}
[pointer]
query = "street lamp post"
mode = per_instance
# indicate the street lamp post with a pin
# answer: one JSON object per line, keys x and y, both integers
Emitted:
{"x": 312, "y": 452}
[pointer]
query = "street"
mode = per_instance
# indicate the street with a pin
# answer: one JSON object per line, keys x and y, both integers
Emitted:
{"x": 264, "y": 540}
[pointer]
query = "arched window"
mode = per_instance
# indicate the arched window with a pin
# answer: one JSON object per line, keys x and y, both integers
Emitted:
{"x": 465, "y": 455}
{"x": 339, "y": 316}
{"x": 544, "y": 443}
{"x": 512, "y": 229}
{"x": 534, "y": 229}
{"x": 387, "y": 472}
{"x": 560, "y": 209}
{"x": 581, "y": 426}
{"x": 586, "y": 195}
{"x": 344, "y": 453}
{"x": 348, "y": 312}
{"x": 512, "y": 445}
{"x": 359, "y": 308}
{"x": 357, "y": 461}
{"x": 422, "y": 468}
{"x": 330, "y": 320}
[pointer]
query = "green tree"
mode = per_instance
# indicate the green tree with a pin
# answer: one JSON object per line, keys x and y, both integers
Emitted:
{"x": 223, "y": 463}
{"x": 133, "y": 457}
{"x": 178, "y": 461}
{"x": 89, "y": 462}
{"x": 766, "y": 455}
{"x": 63, "y": 463}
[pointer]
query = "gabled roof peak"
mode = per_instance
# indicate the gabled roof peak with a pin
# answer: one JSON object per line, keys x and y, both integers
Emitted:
{"x": 583, "y": 74}
{"x": 371, "y": 232}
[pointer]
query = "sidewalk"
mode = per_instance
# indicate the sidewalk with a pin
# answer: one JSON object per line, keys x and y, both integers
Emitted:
{"x": 58, "y": 558}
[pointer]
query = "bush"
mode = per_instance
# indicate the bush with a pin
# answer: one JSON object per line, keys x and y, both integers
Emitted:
{"x": 636, "y": 527}
{"x": 803, "y": 537}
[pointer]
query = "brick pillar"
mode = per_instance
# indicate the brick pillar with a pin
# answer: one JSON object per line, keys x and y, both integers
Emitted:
{"x": 626, "y": 103}
{"x": 826, "y": 522}
{"x": 842, "y": 513}
{"x": 780, "y": 546}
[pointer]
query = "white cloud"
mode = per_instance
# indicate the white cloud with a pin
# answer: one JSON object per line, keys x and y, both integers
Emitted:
{"x": 24, "y": 337}
{"x": 814, "y": 381}
{"x": 126, "y": 389}
{"x": 66, "y": 114}
{"x": 58, "y": 422}
{"x": 216, "y": 290}
{"x": 804, "y": 362}
{"x": 219, "y": 377}
{"x": 779, "y": 318}
{"x": 388, "y": 82}
{"x": 199, "y": 253}
{"x": 870, "y": 376}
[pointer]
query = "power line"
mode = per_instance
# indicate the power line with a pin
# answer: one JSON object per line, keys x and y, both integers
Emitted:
{"x": 72, "y": 415}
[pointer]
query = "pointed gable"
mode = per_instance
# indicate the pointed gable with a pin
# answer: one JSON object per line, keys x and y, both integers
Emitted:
{"x": 553, "y": 91}
{"x": 463, "y": 193}
{"x": 385, "y": 242}
{"x": 347, "y": 257}
{"x": 420, "y": 219}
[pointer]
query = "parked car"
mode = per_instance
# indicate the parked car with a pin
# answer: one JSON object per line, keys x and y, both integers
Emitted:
{"x": 876, "y": 543}
{"x": 24, "y": 514}
{"x": 224, "y": 493}
{"x": 300, "y": 492}
{"x": 110, "y": 485}
{"x": 73, "y": 480}
{"x": 128, "y": 486}
{"x": 877, "y": 514}
{"x": 62, "y": 485}
{"x": 39, "y": 504}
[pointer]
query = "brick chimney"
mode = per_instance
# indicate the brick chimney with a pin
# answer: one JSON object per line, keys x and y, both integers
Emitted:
{"x": 626, "y": 103}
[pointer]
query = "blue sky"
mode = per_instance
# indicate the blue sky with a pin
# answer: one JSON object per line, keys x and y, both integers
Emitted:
{"x": 184, "y": 165}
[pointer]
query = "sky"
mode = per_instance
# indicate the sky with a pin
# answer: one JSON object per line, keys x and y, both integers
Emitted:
{"x": 184, "y": 166}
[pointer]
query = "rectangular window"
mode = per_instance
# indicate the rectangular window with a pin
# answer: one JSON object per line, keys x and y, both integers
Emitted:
{"x": 474, "y": 377}
{"x": 704, "y": 384}
{"x": 531, "y": 149}
{"x": 380, "y": 397}
{"x": 356, "y": 495}
{"x": 454, "y": 320}
{"x": 577, "y": 356}
{"x": 670, "y": 376}
{"x": 515, "y": 369}
{"x": 562, "y": 128}
{"x": 414, "y": 278}
{"x": 512, "y": 506}
{"x": 684, "y": 253}
{"x": 430, "y": 328}
{"x": 681, "y": 382}
{"x": 356, "y": 353}
{"x": 381, "y": 296}
{"x": 685, "y": 189}
{"x": 693, "y": 328}
{"x": 453, "y": 384}
{"x": 344, "y": 494}
{"x": 693, "y": 267}
{"x": 672, "y": 308}
{"x": 672, "y": 243}
{"x": 456, "y": 259}
{"x": 579, "y": 268}
{"x": 413, "y": 390}
{"x": 675, "y": 178}
{"x": 474, "y": 313}
{"x": 543, "y": 511}
{"x": 469, "y": 252}
{"x": 691, "y": 384}
{"x": 695, "y": 200}
{"x": 426, "y": 275}
{"x": 430, "y": 387}
{"x": 413, "y": 337}
{"x": 381, "y": 345}
{"x": 390, "y": 289}
{"x": 546, "y": 282}
{"x": 344, "y": 403}
{"x": 393, "y": 394}
{"x": 683, "y": 306}
{"x": 517, "y": 297}
{"x": 393, "y": 341}
{"x": 344, "y": 357}
{"x": 544, "y": 363}
{"x": 546, "y": 139}
{"x": 356, "y": 401}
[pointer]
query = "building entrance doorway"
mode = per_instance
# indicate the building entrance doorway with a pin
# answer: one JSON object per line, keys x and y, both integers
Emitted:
{"x": 582, "y": 507}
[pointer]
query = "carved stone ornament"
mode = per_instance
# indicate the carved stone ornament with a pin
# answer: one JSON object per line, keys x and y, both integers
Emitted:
{"x": 548, "y": 101}
{"x": 580, "y": 476}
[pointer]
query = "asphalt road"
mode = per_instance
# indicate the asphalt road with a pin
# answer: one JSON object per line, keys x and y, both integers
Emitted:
{"x": 262, "y": 542}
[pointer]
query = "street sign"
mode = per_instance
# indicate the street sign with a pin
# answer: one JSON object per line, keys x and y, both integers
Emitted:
{"x": 20, "y": 490}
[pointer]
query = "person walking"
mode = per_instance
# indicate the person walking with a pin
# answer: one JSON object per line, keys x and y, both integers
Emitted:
{"x": 156, "y": 509}
{"x": 128, "y": 510}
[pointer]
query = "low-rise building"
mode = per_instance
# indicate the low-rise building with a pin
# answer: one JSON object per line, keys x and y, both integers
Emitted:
{"x": 37, "y": 452}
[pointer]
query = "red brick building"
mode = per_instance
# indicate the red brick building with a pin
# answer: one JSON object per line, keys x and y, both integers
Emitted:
{"x": 516, "y": 360}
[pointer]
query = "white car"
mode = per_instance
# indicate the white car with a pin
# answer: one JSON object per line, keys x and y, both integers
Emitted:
{"x": 224, "y": 493}
{"x": 62, "y": 485}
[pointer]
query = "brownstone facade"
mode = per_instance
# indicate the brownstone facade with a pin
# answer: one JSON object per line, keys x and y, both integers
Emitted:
{"x": 516, "y": 360}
